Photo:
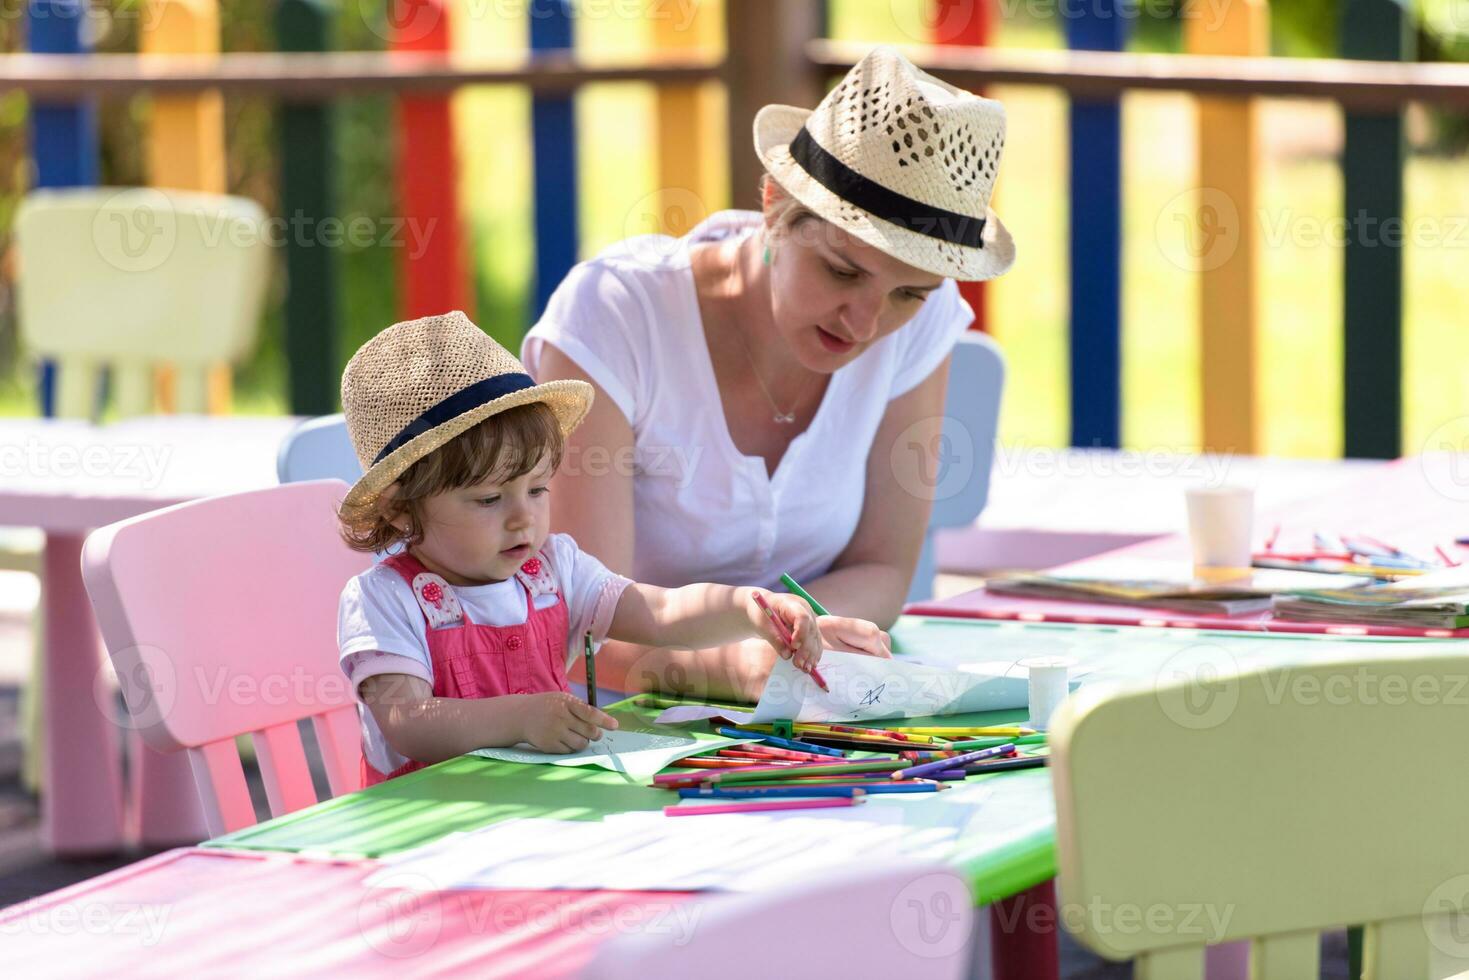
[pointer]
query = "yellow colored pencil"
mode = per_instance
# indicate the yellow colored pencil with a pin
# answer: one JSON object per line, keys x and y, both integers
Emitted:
{"x": 968, "y": 732}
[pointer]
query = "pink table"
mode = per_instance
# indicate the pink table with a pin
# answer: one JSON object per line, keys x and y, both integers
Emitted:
{"x": 67, "y": 478}
{"x": 194, "y": 913}
{"x": 1413, "y": 503}
{"x": 1049, "y": 507}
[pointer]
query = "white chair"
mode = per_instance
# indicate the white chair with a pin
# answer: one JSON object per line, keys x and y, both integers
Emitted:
{"x": 962, "y": 461}
{"x": 887, "y": 920}
{"x": 1268, "y": 807}
{"x": 318, "y": 449}
{"x": 133, "y": 279}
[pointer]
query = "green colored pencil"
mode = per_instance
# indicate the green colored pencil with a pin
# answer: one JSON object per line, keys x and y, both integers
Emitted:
{"x": 984, "y": 743}
{"x": 796, "y": 589}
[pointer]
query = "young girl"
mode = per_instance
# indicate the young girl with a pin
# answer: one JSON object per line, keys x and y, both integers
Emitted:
{"x": 461, "y": 638}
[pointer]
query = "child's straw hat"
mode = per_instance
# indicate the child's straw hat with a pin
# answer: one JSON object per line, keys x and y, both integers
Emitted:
{"x": 901, "y": 160}
{"x": 420, "y": 383}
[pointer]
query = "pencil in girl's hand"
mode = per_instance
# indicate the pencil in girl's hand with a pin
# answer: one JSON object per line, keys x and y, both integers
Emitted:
{"x": 591, "y": 669}
{"x": 786, "y": 638}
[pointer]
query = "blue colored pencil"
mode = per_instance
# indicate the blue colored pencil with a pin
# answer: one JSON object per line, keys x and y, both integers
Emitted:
{"x": 781, "y": 743}
{"x": 763, "y": 792}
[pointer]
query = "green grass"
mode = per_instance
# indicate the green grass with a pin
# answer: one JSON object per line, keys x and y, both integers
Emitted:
{"x": 1300, "y": 357}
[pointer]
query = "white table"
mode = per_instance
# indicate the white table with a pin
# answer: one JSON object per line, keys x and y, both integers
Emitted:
{"x": 67, "y": 478}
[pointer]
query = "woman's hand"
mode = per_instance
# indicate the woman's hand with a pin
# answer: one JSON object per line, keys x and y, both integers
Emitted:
{"x": 557, "y": 722}
{"x": 854, "y": 636}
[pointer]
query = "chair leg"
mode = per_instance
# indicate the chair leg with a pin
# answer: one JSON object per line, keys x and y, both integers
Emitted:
{"x": 165, "y": 800}
{"x": 32, "y": 724}
{"x": 81, "y": 809}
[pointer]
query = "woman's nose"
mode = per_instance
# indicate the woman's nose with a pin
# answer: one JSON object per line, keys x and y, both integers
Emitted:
{"x": 861, "y": 317}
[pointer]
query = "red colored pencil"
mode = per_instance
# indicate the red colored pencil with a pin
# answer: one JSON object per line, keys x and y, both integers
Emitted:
{"x": 786, "y": 638}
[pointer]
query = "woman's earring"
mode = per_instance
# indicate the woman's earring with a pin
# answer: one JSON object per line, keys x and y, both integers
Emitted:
{"x": 766, "y": 256}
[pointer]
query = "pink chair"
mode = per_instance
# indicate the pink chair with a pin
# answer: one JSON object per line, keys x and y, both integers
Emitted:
{"x": 896, "y": 919}
{"x": 220, "y": 618}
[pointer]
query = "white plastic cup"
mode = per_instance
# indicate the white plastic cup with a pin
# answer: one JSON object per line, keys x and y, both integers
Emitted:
{"x": 1220, "y": 525}
{"x": 1050, "y": 682}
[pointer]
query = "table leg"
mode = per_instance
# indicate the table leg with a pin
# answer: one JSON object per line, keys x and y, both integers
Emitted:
{"x": 81, "y": 802}
{"x": 1023, "y": 935}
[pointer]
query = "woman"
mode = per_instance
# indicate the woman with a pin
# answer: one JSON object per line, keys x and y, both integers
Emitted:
{"x": 754, "y": 377}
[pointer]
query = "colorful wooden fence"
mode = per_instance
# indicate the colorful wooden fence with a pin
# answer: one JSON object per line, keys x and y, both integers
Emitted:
{"x": 774, "y": 53}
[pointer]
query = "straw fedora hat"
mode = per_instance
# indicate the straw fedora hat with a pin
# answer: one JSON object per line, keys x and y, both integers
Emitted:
{"x": 901, "y": 160}
{"x": 420, "y": 383}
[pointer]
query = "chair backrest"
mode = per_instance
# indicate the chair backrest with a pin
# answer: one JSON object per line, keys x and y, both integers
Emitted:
{"x": 220, "y": 619}
{"x": 318, "y": 449}
{"x": 963, "y": 459}
{"x": 130, "y": 279}
{"x": 1269, "y": 806}
{"x": 900, "y": 919}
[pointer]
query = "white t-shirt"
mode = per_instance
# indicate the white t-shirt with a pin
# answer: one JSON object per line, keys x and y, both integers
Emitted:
{"x": 704, "y": 511}
{"x": 380, "y": 627}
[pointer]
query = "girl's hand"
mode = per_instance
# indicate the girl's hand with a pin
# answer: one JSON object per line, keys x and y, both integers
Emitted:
{"x": 854, "y": 636}
{"x": 797, "y": 621}
{"x": 557, "y": 722}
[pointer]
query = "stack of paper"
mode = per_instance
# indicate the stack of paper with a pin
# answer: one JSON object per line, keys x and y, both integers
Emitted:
{"x": 1436, "y": 601}
{"x": 1164, "y": 585}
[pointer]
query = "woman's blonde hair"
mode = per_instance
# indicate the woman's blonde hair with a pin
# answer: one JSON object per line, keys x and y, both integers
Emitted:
{"x": 504, "y": 446}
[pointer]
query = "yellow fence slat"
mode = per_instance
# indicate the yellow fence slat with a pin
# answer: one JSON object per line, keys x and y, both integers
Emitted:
{"x": 1227, "y": 239}
{"x": 186, "y": 148}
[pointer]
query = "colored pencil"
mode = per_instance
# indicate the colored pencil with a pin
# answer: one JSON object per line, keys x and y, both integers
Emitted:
{"x": 837, "y": 766}
{"x": 768, "y": 792}
{"x": 1002, "y": 765}
{"x": 796, "y": 589}
{"x": 976, "y": 731}
{"x": 760, "y": 807}
{"x": 781, "y": 743}
{"x": 787, "y": 639}
{"x": 778, "y": 792}
{"x": 983, "y": 743}
{"x": 591, "y": 669}
{"x": 956, "y": 762}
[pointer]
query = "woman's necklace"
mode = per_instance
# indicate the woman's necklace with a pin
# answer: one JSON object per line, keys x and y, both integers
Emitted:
{"x": 783, "y": 418}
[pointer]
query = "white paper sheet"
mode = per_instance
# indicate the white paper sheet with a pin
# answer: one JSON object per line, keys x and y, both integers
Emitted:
{"x": 650, "y": 852}
{"x": 684, "y": 713}
{"x": 636, "y": 750}
{"x": 866, "y": 688}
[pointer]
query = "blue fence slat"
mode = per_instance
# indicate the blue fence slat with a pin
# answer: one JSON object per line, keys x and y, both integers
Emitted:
{"x": 63, "y": 134}
{"x": 553, "y": 140}
{"x": 1096, "y": 239}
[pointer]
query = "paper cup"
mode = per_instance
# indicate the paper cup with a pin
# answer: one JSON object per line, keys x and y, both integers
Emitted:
{"x": 1219, "y": 528}
{"x": 1050, "y": 682}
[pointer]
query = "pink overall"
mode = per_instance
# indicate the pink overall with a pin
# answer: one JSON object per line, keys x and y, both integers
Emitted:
{"x": 474, "y": 661}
